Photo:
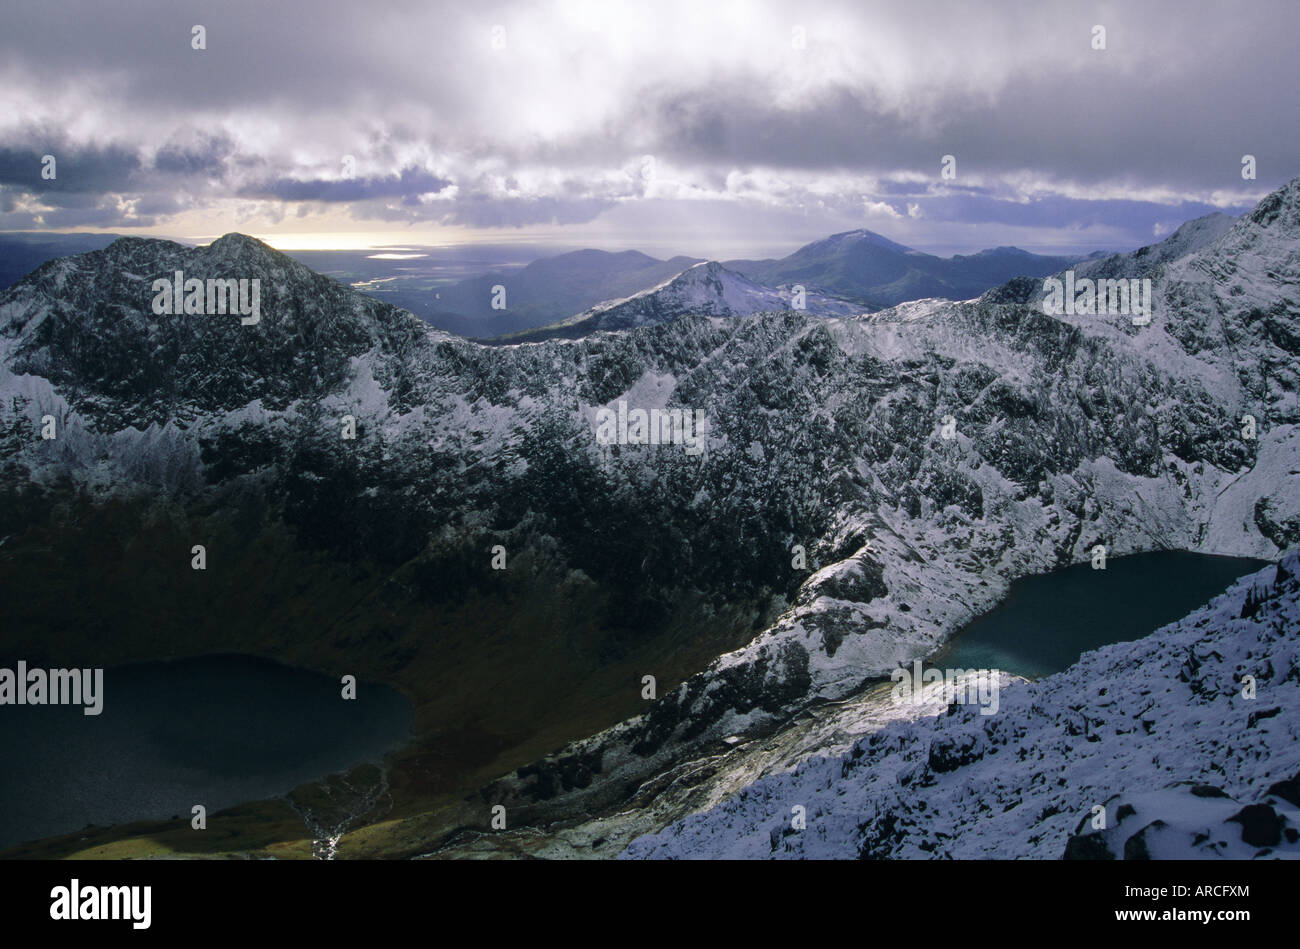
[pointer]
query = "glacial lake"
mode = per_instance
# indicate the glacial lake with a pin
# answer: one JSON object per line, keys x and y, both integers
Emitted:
{"x": 1048, "y": 621}
{"x": 216, "y": 731}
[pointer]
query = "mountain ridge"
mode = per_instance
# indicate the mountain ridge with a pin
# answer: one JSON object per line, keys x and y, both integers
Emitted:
{"x": 824, "y": 432}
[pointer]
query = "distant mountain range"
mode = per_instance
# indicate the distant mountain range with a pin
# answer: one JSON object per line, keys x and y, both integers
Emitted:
{"x": 578, "y": 292}
{"x": 850, "y": 273}
{"x": 876, "y": 272}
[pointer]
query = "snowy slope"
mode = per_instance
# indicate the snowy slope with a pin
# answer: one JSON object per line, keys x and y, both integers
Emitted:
{"x": 1156, "y": 731}
{"x": 1189, "y": 238}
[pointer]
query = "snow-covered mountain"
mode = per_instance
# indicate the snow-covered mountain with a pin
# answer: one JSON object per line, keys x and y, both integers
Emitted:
{"x": 922, "y": 457}
{"x": 704, "y": 289}
{"x": 1188, "y": 238}
{"x": 80, "y": 334}
{"x": 1069, "y": 432}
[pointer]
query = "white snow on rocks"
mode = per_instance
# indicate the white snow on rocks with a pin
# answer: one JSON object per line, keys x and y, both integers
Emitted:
{"x": 1125, "y": 729}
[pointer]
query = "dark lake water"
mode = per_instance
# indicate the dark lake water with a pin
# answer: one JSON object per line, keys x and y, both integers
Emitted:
{"x": 1047, "y": 621}
{"x": 216, "y": 731}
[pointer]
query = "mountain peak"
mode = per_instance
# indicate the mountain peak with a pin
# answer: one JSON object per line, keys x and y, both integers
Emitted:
{"x": 236, "y": 245}
{"x": 200, "y": 357}
{"x": 235, "y": 239}
{"x": 847, "y": 239}
{"x": 594, "y": 255}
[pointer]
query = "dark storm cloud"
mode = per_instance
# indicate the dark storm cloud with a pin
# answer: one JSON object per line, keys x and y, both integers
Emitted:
{"x": 736, "y": 122}
{"x": 410, "y": 183}
{"x": 1084, "y": 129}
{"x": 1050, "y": 211}
{"x": 80, "y": 211}
{"x": 77, "y": 168}
{"x": 551, "y": 128}
{"x": 161, "y": 205}
{"x": 205, "y": 157}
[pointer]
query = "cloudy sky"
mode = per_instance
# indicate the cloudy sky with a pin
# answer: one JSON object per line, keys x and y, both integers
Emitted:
{"x": 719, "y": 129}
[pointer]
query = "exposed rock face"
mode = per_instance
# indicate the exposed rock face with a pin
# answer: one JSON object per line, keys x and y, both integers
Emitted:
{"x": 1184, "y": 822}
